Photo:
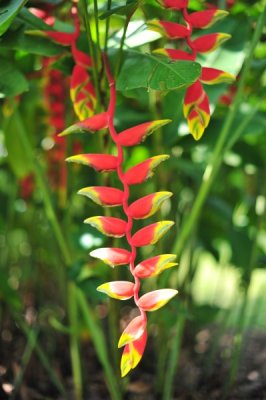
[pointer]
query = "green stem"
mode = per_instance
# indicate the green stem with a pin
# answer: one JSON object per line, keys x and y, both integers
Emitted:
{"x": 96, "y": 17}
{"x": 93, "y": 52}
{"x": 107, "y": 26}
{"x": 46, "y": 364}
{"x": 174, "y": 357}
{"x": 74, "y": 341}
{"x": 32, "y": 340}
{"x": 120, "y": 52}
{"x": 100, "y": 346}
{"x": 215, "y": 162}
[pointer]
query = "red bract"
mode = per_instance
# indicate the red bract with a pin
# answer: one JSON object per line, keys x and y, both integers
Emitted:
{"x": 207, "y": 43}
{"x": 112, "y": 256}
{"x": 135, "y": 135}
{"x": 175, "y": 54}
{"x": 206, "y": 18}
{"x": 170, "y": 30}
{"x": 155, "y": 265}
{"x": 121, "y": 290}
{"x": 104, "y": 196}
{"x": 92, "y": 124}
{"x": 148, "y": 205}
{"x": 174, "y": 4}
{"x": 135, "y": 334}
{"x": 109, "y": 226}
{"x": 154, "y": 300}
{"x": 151, "y": 233}
{"x": 141, "y": 172}
{"x": 196, "y": 103}
{"x": 211, "y": 76}
{"x": 132, "y": 354}
{"x": 100, "y": 162}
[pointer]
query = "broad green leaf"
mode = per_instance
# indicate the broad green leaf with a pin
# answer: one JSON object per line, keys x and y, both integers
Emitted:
{"x": 17, "y": 156}
{"x": 146, "y": 71}
{"x": 18, "y": 40}
{"x": 8, "y": 12}
{"x": 12, "y": 82}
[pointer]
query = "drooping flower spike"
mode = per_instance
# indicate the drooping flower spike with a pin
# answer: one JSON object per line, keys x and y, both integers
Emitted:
{"x": 196, "y": 103}
{"x": 134, "y": 336}
{"x": 82, "y": 91}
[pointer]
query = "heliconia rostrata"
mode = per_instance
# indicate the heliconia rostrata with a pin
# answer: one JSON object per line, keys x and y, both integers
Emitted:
{"x": 196, "y": 106}
{"x": 134, "y": 337}
{"x": 196, "y": 110}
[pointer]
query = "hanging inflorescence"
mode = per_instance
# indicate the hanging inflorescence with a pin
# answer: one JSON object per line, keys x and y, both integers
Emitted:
{"x": 82, "y": 91}
{"x": 196, "y": 106}
{"x": 134, "y": 337}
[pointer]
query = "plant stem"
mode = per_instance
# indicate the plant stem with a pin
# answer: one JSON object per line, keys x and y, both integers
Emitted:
{"x": 42, "y": 356}
{"x": 96, "y": 17}
{"x": 107, "y": 26}
{"x": 120, "y": 52}
{"x": 100, "y": 346}
{"x": 74, "y": 341}
{"x": 32, "y": 340}
{"x": 215, "y": 162}
{"x": 93, "y": 52}
{"x": 173, "y": 360}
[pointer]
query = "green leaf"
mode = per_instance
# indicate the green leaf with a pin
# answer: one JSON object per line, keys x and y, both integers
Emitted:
{"x": 7, "y": 294}
{"x": 8, "y": 11}
{"x": 17, "y": 155}
{"x": 18, "y": 40}
{"x": 146, "y": 71}
{"x": 12, "y": 82}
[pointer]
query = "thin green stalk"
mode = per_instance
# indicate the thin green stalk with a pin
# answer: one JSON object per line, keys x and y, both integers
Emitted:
{"x": 120, "y": 53}
{"x": 238, "y": 132}
{"x": 213, "y": 166}
{"x": 96, "y": 17}
{"x": 31, "y": 343}
{"x": 93, "y": 52}
{"x": 74, "y": 341}
{"x": 173, "y": 360}
{"x": 38, "y": 350}
{"x": 100, "y": 346}
{"x": 237, "y": 344}
{"x": 107, "y": 26}
{"x": 161, "y": 357}
{"x": 46, "y": 364}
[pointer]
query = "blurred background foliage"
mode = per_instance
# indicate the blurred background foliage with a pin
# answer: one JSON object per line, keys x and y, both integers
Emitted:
{"x": 221, "y": 275}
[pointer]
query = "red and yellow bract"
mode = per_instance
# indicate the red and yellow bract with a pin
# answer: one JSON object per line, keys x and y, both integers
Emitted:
{"x": 196, "y": 108}
{"x": 135, "y": 334}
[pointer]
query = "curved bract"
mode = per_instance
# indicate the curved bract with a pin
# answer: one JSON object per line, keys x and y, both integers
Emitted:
{"x": 134, "y": 337}
{"x": 196, "y": 103}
